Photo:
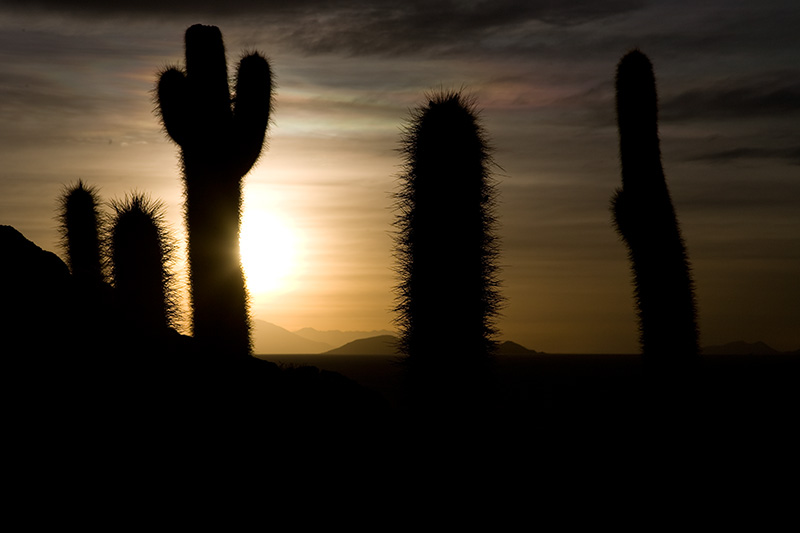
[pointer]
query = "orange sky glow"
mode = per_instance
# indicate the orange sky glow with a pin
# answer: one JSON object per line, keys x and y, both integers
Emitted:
{"x": 76, "y": 103}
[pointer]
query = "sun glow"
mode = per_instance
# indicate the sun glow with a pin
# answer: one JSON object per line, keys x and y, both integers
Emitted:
{"x": 269, "y": 250}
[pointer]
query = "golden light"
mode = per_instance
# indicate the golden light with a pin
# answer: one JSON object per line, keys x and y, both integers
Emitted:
{"x": 269, "y": 250}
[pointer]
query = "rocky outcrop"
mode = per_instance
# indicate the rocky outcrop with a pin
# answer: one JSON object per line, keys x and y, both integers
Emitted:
{"x": 71, "y": 369}
{"x": 35, "y": 290}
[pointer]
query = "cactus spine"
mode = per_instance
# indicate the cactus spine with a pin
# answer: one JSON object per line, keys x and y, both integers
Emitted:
{"x": 645, "y": 219}
{"x": 448, "y": 292}
{"x": 140, "y": 250}
{"x": 220, "y": 139}
{"x": 80, "y": 231}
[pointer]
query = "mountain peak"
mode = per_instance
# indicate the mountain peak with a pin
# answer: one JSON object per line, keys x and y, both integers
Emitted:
{"x": 512, "y": 348}
{"x": 378, "y": 345}
{"x": 740, "y": 348}
{"x": 271, "y": 339}
{"x": 337, "y": 337}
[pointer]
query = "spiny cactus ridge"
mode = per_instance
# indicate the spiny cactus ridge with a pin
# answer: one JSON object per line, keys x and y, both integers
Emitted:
{"x": 645, "y": 219}
{"x": 447, "y": 296}
{"x": 221, "y": 138}
{"x": 140, "y": 251}
{"x": 81, "y": 227}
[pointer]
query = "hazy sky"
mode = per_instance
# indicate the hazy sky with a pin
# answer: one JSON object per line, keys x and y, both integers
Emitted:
{"x": 76, "y": 102}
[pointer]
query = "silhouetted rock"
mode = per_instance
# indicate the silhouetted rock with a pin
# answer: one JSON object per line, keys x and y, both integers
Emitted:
{"x": 35, "y": 289}
{"x": 40, "y": 335}
{"x": 114, "y": 380}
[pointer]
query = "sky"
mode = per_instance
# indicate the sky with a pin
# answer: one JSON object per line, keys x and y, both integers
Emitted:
{"x": 76, "y": 81}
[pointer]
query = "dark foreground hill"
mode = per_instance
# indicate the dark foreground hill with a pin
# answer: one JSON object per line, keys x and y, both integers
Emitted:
{"x": 72, "y": 364}
{"x": 96, "y": 400}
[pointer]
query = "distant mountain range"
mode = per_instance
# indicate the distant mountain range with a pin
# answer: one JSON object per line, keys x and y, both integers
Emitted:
{"x": 271, "y": 339}
{"x": 509, "y": 348}
{"x": 387, "y": 345}
{"x": 743, "y": 348}
{"x": 339, "y": 338}
{"x": 378, "y": 345}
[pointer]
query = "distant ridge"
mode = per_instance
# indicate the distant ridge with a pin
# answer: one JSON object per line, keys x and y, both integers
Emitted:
{"x": 387, "y": 345}
{"x": 509, "y": 348}
{"x": 740, "y": 348}
{"x": 271, "y": 339}
{"x": 379, "y": 345}
{"x": 338, "y": 338}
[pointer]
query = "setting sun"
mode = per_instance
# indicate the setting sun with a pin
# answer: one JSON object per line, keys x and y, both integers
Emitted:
{"x": 269, "y": 251}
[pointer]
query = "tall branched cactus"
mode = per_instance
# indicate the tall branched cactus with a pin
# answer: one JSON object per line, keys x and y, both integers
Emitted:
{"x": 220, "y": 139}
{"x": 80, "y": 221}
{"x": 448, "y": 294}
{"x": 140, "y": 251}
{"x": 645, "y": 219}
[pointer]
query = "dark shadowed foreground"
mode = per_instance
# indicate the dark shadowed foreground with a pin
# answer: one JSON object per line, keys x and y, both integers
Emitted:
{"x": 92, "y": 403}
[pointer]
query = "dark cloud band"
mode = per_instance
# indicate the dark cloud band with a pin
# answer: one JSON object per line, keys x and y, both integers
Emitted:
{"x": 357, "y": 26}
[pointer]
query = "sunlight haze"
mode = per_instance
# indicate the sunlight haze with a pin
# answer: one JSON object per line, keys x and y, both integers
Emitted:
{"x": 76, "y": 102}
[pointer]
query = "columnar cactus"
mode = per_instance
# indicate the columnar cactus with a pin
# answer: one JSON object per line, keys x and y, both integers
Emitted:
{"x": 140, "y": 251}
{"x": 221, "y": 138}
{"x": 645, "y": 219}
{"x": 448, "y": 292}
{"x": 80, "y": 220}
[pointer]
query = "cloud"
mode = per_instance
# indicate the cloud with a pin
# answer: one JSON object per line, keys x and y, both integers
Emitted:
{"x": 20, "y": 90}
{"x": 358, "y": 26}
{"x": 791, "y": 155}
{"x": 436, "y": 26}
{"x": 764, "y": 94}
{"x": 772, "y": 96}
{"x": 477, "y": 12}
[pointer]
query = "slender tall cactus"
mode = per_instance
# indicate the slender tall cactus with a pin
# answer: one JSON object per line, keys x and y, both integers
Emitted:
{"x": 448, "y": 293}
{"x": 80, "y": 222}
{"x": 221, "y": 138}
{"x": 645, "y": 219}
{"x": 140, "y": 250}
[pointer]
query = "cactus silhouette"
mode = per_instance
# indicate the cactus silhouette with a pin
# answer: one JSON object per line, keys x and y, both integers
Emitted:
{"x": 645, "y": 219}
{"x": 80, "y": 226}
{"x": 220, "y": 139}
{"x": 140, "y": 251}
{"x": 447, "y": 297}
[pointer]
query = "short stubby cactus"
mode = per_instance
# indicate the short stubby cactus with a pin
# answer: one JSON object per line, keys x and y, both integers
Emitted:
{"x": 448, "y": 296}
{"x": 221, "y": 138}
{"x": 140, "y": 250}
{"x": 645, "y": 219}
{"x": 81, "y": 227}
